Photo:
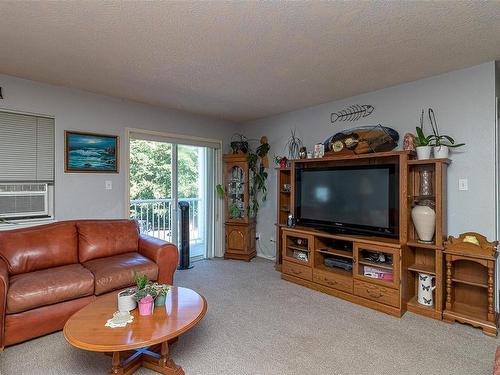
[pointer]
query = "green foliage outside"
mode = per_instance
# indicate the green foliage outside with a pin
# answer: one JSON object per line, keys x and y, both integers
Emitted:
{"x": 151, "y": 170}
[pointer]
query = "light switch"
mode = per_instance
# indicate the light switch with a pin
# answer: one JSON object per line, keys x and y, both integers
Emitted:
{"x": 109, "y": 185}
{"x": 463, "y": 184}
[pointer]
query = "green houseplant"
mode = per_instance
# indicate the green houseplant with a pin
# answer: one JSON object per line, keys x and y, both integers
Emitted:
{"x": 441, "y": 143}
{"x": 141, "y": 281}
{"x": 422, "y": 141}
{"x": 160, "y": 291}
{"x": 258, "y": 163}
{"x": 293, "y": 146}
{"x": 144, "y": 295}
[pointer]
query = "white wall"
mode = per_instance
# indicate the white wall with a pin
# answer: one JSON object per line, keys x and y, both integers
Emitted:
{"x": 464, "y": 103}
{"x": 82, "y": 195}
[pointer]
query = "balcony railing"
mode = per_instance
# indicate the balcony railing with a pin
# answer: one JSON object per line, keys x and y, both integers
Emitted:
{"x": 155, "y": 218}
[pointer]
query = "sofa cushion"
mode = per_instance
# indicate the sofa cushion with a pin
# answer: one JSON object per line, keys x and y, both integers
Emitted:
{"x": 40, "y": 247}
{"x": 118, "y": 271}
{"x": 104, "y": 238}
{"x": 46, "y": 287}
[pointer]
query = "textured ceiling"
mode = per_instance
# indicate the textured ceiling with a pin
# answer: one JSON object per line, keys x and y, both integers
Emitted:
{"x": 242, "y": 60}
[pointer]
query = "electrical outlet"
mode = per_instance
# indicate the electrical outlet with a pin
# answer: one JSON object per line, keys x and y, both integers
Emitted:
{"x": 257, "y": 236}
{"x": 108, "y": 185}
{"x": 463, "y": 184}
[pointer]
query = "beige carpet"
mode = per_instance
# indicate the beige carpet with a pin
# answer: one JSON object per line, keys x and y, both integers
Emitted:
{"x": 258, "y": 324}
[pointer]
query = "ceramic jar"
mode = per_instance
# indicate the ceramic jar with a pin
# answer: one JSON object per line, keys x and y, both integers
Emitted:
{"x": 425, "y": 289}
{"x": 126, "y": 301}
{"x": 160, "y": 300}
{"x": 440, "y": 152}
{"x": 424, "y": 220}
{"x": 146, "y": 306}
{"x": 424, "y": 152}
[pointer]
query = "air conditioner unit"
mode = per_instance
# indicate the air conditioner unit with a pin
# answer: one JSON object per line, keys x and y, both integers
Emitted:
{"x": 24, "y": 200}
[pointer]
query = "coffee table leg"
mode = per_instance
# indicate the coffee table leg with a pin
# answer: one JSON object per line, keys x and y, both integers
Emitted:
{"x": 115, "y": 362}
{"x": 164, "y": 364}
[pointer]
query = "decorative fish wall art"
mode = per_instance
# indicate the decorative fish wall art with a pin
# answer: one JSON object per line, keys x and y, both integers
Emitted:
{"x": 352, "y": 113}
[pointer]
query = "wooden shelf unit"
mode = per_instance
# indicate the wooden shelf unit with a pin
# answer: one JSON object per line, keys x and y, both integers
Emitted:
{"x": 470, "y": 282}
{"x": 354, "y": 284}
{"x": 409, "y": 256}
{"x": 425, "y": 258}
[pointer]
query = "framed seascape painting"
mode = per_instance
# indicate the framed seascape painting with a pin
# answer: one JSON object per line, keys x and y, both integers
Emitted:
{"x": 92, "y": 153}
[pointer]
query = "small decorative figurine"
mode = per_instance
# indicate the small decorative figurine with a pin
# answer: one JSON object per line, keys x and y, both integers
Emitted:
{"x": 409, "y": 142}
{"x": 284, "y": 163}
{"x": 302, "y": 152}
{"x": 281, "y": 161}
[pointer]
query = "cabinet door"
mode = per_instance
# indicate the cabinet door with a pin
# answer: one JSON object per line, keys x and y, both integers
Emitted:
{"x": 377, "y": 264}
{"x": 298, "y": 248}
{"x": 236, "y": 239}
{"x": 236, "y": 182}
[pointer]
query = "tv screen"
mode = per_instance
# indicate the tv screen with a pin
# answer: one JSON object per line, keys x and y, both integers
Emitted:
{"x": 360, "y": 198}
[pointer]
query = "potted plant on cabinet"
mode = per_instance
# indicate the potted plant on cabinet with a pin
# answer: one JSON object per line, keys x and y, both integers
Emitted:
{"x": 257, "y": 163}
{"x": 422, "y": 142}
{"x": 440, "y": 142}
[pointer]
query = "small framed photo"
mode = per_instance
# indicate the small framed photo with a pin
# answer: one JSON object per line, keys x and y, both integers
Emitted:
{"x": 91, "y": 153}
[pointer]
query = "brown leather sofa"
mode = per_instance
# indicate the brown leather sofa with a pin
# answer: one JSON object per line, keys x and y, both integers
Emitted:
{"x": 49, "y": 272}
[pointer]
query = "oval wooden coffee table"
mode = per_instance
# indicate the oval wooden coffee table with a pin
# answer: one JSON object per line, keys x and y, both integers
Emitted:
{"x": 144, "y": 342}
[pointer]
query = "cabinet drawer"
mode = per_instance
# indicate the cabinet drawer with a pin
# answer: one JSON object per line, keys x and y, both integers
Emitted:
{"x": 332, "y": 280}
{"x": 377, "y": 293}
{"x": 297, "y": 270}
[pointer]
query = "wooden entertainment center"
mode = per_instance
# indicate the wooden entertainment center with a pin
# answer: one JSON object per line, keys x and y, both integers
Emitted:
{"x": 302, "y": 251}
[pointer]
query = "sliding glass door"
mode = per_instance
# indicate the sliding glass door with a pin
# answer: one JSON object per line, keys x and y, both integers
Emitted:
{"x": 163, "y": 173}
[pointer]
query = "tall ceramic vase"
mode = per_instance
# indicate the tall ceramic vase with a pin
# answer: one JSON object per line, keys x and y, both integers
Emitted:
{"x": 424, "y": 220}
{"x": 425, "y": 289}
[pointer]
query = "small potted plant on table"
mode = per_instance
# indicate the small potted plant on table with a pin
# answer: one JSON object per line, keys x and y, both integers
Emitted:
{"x": 126, "y": 301}
{"x": 161, "y": 293}
{"x": 144, "y": 295}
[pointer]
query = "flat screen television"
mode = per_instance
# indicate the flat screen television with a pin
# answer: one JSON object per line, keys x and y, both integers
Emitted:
{"x": 349, "y": 199}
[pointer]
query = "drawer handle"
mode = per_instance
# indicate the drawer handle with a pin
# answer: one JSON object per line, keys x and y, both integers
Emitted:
{"x": 331, "y": 282}
{"x": 372, "y": 294}
{"x": 296, "y": 272}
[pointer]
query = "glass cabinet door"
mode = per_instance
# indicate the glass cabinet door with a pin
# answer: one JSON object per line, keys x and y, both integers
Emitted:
{"x": 236, "y": 192}
{"x": 377, "y": 264}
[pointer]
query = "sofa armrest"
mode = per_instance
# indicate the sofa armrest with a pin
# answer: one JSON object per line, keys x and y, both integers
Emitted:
{"x": 163, "y": 253}
{"x": 4, "y": 285}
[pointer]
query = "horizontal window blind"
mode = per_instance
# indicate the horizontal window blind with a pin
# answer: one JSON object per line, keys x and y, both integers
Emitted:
{"x": 26, "y": 148}
{"x": 178, "y": 139}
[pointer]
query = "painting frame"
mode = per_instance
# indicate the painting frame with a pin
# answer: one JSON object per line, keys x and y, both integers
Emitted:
{"x": 71, "y": 137}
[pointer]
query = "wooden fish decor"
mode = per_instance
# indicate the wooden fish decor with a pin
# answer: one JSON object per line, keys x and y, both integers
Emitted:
{"x": 362, "y": 140}
{"x": 353, "y": 113}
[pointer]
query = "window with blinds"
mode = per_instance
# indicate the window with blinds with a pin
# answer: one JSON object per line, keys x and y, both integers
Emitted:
{"x": 26, "y": 165}
{"x": 26, "y": 148}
